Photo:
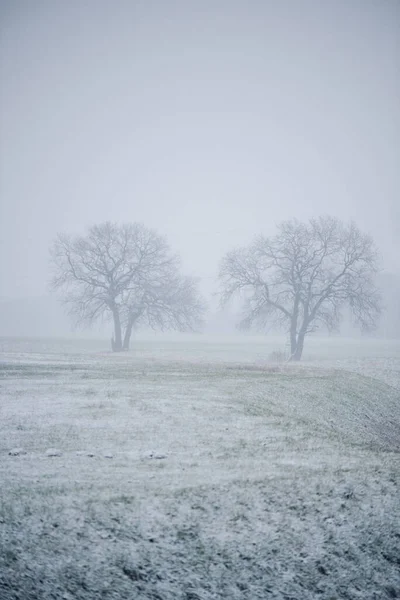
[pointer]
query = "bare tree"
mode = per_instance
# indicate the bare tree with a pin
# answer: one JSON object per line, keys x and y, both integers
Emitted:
{"x": 303, "y": 277}
{"x": 125, "y": 273}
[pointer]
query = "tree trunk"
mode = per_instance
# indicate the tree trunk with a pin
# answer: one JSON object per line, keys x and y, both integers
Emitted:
{"x": 296, "y": 355}
{"x": 127, "y": 336}
{"x": 293, "y": 328}
{"x": 116, "y": 342}
{"x": 129, "y": 326}
{"x": 293, "y": 344}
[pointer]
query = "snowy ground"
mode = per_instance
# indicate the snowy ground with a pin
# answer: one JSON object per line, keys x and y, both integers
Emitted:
{"x": 197, "y": 470}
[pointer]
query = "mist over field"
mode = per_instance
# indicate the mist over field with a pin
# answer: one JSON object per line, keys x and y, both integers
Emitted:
{"x": 199, "y": 300}
{"x": 210, "y": 124}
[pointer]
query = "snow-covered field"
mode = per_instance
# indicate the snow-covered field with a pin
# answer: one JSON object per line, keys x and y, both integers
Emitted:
{"x": 199, "y": 469}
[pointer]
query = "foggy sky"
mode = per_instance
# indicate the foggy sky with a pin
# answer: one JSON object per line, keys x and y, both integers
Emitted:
{"x": 210, "y": 121}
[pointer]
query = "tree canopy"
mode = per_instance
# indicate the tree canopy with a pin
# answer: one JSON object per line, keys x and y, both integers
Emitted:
{"x": 304, "y": 277}
{"x": 126, "y": 273}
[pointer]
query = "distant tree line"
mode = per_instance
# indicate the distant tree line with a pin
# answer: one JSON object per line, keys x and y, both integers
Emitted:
{"x": 303, "y": 277}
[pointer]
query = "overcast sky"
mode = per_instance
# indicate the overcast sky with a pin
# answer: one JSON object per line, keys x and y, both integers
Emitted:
{"x": 208, "y": 120}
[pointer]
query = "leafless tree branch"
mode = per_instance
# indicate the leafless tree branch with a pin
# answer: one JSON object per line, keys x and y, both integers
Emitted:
{"x": 304, "y": 276}
{"x": 127, "y": 273}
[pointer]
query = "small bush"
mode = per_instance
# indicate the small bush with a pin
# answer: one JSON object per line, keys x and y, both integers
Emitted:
{"x": 278, "y": 356}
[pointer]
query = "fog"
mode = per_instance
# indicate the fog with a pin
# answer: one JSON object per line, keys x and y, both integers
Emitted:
{"x": 209, "y": 465}
{"x": 209, "y": 121}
